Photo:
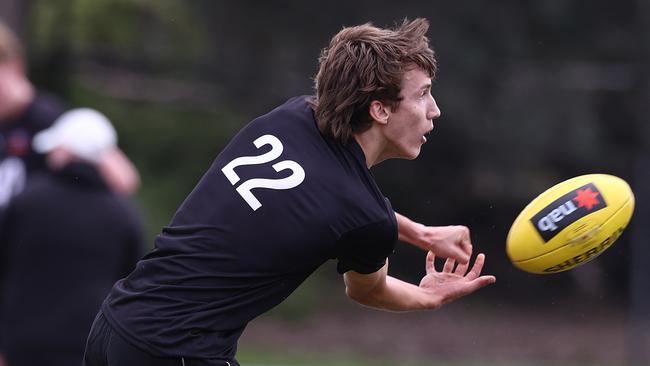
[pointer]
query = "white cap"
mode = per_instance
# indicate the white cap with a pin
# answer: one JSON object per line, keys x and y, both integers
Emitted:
{"x": 85, "y": 132}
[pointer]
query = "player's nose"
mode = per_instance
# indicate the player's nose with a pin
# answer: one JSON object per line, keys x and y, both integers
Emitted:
{"x": 434, "y": 110}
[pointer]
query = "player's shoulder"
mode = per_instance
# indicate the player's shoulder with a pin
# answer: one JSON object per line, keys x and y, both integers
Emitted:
{"x": 296, "y": 104}
{"x": 43, "y": 111}
{"x": 295, "y": 108}
{"x": 292, "y": 122}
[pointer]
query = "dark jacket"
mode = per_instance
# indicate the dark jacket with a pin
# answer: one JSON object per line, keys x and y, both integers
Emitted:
{"x": 63, "y": 242}
{"x": 17, "y": 158}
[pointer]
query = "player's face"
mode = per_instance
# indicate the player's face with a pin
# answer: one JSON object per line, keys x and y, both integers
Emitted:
{"x": 14, "y": 88}
{"x": 413, "y": 119}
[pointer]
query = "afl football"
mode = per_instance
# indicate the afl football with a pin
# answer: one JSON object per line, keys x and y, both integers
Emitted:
{"x": 570, "y": 224}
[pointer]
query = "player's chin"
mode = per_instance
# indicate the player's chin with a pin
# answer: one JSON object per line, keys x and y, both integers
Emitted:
{"x": 408, "y": 151}
{"x": 413, "y": 153}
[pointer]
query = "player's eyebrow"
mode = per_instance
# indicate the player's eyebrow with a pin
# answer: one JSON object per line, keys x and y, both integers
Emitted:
{"x": 425, "y": 87}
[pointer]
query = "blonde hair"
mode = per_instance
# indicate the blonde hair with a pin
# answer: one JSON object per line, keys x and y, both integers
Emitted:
{"x": 366, "y": 63}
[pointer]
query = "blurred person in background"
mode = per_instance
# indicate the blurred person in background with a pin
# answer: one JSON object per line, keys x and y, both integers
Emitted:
{"x": 64, "y": 240}
{"x": 25, "y": 111}
{"x": 291, "y": 191}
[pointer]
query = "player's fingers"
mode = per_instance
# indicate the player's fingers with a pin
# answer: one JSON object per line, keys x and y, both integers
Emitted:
{"x": 485, "y": 280}
{"x": 467, "y": 248}
{"x": 430, "y": 265}
{"x": 477, "y": 267}
{"x": 470, "y": 287}
{"x": 480, "y": 282}
{"x": 464, "y": 246}
{"x": 461, "y": 255}
{"x": 461, "y": 269}
{"x": 449, "y": 265}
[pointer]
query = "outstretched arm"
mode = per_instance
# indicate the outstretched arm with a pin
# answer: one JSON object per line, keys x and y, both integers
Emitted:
{"x": 380, "y": 291}
{"x": 445, "y": 241}
{"x": 119, "y": 172}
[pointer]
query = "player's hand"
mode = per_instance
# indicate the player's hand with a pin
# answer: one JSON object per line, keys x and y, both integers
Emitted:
{"x": 454, "y": 281}
{"x": 449, "y": 242}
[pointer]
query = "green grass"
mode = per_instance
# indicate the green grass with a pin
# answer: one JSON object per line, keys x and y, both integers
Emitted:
{"x": 249, "y": 357}
{"x": 263, "y": 357}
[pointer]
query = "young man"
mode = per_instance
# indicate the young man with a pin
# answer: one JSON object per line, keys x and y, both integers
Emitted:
{"x": 64, "y": 240}
{"x": 23, "y": 113}
{"x": 290, "y": 191}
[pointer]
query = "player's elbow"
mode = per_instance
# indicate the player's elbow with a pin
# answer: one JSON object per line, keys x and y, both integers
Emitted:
{"x": 369, "y": 296}
{"x": 358, "y": 294}
{"x": 365, "y": 289}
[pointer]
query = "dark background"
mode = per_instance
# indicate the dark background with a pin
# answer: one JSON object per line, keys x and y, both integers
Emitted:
{"x": 531, "y": 93}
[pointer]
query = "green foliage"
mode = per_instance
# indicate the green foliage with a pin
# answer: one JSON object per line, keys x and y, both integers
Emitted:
{"x": 159, "y": 33}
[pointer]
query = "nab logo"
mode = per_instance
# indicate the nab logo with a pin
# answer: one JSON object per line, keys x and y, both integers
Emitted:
{"x": 568, "y": 209}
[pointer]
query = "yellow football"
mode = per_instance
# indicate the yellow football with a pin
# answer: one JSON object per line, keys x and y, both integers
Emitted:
{"x": 570, "y": 224}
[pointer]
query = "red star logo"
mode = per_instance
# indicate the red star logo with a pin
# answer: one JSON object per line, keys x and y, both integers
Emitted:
{"x": 586, "y": 198}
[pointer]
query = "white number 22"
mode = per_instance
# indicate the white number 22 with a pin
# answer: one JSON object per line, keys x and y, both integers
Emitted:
{"x": 297, "y": 172}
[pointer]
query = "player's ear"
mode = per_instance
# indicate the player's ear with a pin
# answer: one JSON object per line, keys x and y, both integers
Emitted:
{"x": 379, "y": 111}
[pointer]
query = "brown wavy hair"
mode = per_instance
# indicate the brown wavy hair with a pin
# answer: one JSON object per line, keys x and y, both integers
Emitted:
{"x": 366, "y": 63}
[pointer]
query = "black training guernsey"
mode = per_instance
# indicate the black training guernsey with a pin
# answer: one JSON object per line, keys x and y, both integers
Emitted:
{"x": 279, "y": 201}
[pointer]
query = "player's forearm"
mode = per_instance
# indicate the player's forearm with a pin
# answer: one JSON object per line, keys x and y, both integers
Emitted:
{"x": 444, "y": 241}
{"x": 410, "y": 231}
{"x": 388, "y": 293}
{"x": 401, "y": 296}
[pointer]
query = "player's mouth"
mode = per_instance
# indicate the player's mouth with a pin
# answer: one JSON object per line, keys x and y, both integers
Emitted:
{"x": 424, "y": 137}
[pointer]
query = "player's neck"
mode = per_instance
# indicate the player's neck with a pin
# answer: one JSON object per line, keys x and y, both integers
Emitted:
{"x": 373, "y": 145}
